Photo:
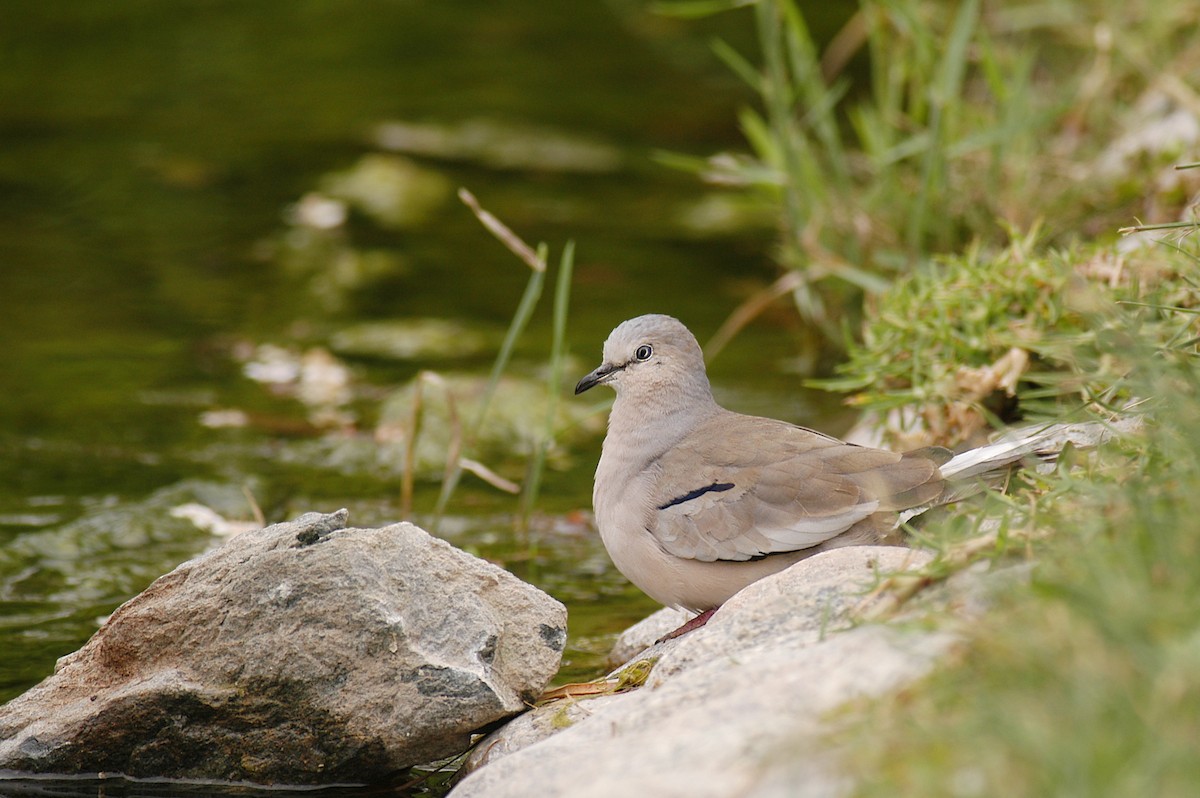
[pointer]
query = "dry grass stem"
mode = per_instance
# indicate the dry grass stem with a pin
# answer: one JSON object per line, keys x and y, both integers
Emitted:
{"x": 503, "y": 233}
{"x": 488, "y": 475}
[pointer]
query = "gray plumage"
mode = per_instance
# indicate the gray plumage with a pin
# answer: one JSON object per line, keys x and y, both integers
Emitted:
{"x": 694, "y": 502}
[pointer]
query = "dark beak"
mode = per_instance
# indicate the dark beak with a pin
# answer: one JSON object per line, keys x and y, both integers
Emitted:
{"x": 595, "y": 378}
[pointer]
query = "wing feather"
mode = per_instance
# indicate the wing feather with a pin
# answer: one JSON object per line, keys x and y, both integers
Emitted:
{"x": 791, "y": 488}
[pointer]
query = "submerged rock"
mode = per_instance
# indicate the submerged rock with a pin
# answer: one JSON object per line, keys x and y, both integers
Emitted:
{"x": 515, "y": 419}
{"x": 500, "y": 145}
{"x": 409, "y": 339}
{"x": 302, "y": 653}
{"x": 393, "y": 191}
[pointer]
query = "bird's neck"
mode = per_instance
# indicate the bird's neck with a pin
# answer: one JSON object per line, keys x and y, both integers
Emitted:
{"x": 649, "y": 427}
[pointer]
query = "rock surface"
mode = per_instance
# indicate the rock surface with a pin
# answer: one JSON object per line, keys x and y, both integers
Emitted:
{"x": 737, "y": 707}
{"x": 642, "y": 634}
{"x": 302, "y": 653}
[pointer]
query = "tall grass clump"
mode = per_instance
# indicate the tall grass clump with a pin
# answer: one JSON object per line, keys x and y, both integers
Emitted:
{"x": 971, "y": 342}
{"x": 969, "y": 119}
{"x": 1085, "y": 681}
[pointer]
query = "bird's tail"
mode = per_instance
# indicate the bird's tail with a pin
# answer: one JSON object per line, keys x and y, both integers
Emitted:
{"x": 1042, "y": 443}
{"x": 969, "y": 472}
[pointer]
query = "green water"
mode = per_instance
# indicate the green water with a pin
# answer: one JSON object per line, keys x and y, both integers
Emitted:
{"x": 148, "y": 154}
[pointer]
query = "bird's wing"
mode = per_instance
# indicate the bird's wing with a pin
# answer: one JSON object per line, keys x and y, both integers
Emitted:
{"x": 739, "y": 487}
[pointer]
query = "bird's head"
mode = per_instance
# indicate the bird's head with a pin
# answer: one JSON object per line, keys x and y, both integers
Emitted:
{"x": 654, "y": 358}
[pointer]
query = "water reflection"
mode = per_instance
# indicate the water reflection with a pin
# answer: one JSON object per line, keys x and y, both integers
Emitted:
{"x": 183, "y": 183}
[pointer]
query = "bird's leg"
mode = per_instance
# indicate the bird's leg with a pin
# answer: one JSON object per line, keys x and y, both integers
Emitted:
{"x": 694, "y": 623}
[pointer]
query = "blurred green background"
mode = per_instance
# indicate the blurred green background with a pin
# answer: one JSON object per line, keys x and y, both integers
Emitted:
{"x": 152, "y": 156}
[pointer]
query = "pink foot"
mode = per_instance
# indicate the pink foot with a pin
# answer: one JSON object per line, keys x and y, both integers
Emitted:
{"x": 694, "y": 623}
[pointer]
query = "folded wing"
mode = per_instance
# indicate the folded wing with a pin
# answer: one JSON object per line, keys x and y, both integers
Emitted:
{"x": 740, "y": 487}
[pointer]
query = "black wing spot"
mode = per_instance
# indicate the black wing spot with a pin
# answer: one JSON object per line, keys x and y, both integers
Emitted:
{"x": 716, "y": 487}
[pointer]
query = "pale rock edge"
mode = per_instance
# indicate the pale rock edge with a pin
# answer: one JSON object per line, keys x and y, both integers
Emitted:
{"x": 741, "y": 706}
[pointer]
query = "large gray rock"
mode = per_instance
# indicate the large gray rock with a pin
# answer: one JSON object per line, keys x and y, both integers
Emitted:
{"x": 727, "y": 709}
{"x": 302, "y": 653}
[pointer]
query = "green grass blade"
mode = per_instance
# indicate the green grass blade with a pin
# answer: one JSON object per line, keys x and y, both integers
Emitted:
{"x": 738, "y": 64}
{"x": 558, "y": 355}
{"x": 533, "y": 291}
{"x": 694, "y": 9}
{"x": 947, "y": 87}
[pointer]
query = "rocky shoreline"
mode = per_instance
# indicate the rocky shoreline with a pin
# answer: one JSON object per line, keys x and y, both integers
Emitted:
{"x": 312, "y": 653}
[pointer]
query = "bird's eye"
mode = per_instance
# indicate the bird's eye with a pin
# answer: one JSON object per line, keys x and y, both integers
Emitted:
{"x": 643, "y": 352}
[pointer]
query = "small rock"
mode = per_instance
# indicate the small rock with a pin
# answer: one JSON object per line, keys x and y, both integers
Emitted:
{"x": 645, "y": 632}
{"x": 302, "y": 653}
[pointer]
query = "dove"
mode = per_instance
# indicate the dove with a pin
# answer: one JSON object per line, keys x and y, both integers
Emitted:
{"x": 694, "y": 502}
